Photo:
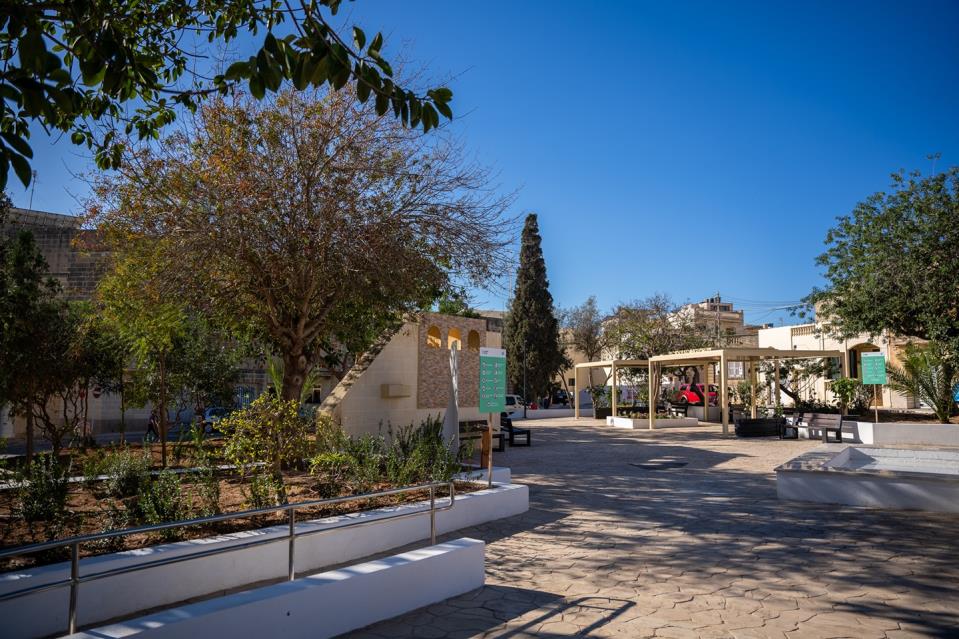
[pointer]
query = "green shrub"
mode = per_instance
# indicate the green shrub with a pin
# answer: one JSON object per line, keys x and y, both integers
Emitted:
{"x": 846, "y": 390}
{"x": 262, "y": 491}
{"x": 269, "y": 431}
{"x": 92, "y": 469}
{"x": 42, "y": 491}
{"x": 128, "y": 472}
{"x": 161, "y": 501}
{"x": 116, "y": 518}
{"x": 206, "y": 491}
{"x": 419, "y": 454}
{"x": 368, "y": 451}
{"x": 333, "y": 470}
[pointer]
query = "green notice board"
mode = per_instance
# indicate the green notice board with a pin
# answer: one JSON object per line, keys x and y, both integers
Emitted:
{"x": 873, "y": 368}
{"x": 492, "y": 380}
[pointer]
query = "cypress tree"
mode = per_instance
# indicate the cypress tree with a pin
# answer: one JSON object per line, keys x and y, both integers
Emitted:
{"x": 532, "y": 330}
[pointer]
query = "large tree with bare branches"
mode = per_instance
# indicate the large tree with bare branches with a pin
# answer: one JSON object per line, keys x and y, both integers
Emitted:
{"x": 308, "y": 217}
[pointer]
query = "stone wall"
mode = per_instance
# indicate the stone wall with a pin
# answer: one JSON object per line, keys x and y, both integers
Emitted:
{"x": 71, "y": 252}
{"x": 433, "y": 371}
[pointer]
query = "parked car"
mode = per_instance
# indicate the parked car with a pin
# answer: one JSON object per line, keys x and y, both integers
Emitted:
{"x": 686, "y": 395}
{"x": 560, "y": 396}
{"x": 514, "y": 403}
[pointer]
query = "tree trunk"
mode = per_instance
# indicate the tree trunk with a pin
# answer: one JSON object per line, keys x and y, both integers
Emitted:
{"x": 295, "y": 370}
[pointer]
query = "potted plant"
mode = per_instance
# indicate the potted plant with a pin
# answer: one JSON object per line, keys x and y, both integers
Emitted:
{"x": 601, "y": 408}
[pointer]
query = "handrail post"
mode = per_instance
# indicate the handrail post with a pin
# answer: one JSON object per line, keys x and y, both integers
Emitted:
{"x": 74, "y": 585}
{"x": 432, "y": 515}
{"x": 292, "y": 566}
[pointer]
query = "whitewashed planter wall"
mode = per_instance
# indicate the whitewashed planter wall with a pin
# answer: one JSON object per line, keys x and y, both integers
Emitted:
{"x": 45, "y": 613}
{"x": 323, "y": 605}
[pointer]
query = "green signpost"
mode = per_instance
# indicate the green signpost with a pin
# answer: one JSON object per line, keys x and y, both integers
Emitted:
{"x": 492, "y": 380}
{"x": 874, "y": 372}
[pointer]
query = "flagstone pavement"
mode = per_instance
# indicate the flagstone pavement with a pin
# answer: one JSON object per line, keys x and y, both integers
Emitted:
{"x": 610, "y": 549}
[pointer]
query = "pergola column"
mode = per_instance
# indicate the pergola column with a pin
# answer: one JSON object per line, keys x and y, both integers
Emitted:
{"x": 723, "y": 399}
{"x": 576, "y": 389}
{"x": 705, "y": 392}
{"x": 612, "y": 394}
{"x": 778, "y": 398}
{"x": 754, "y": 411}
{"x": 653, "y": 391}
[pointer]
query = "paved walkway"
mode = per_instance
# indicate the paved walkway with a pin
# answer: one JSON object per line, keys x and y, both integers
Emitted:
{"x": 706, "y": 550}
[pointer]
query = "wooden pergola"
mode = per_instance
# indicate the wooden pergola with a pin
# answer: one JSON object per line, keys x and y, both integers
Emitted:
{"x": 613, "y": 365}
{"x": 751, "y": 356}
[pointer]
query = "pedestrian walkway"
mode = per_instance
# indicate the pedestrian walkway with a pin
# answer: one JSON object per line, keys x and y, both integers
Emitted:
{"x": 679, "y": 533}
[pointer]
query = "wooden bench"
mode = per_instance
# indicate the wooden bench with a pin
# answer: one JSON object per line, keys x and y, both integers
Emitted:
{"x": 825, "y": 422}
{"x": 473, "y": 431}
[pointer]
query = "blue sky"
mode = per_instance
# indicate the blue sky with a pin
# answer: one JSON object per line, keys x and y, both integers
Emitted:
{"x": 685, "y": 148}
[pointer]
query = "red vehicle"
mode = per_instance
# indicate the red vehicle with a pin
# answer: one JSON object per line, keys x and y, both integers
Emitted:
{"x": 686, "y": 395}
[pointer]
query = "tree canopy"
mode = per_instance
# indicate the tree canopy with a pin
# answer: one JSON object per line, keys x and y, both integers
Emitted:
{"x": 306, "y": 216}
{"x": 532, "y": 330}
{"x": 892, "y": 264}
{"x": 128, "y": 66}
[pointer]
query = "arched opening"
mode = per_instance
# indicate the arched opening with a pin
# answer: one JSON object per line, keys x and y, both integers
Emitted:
{"x": 454, "y": 339}
{"x": 855, "y": 367}
{"x": 473, "y": 341}
{"x": 433, "y": 337}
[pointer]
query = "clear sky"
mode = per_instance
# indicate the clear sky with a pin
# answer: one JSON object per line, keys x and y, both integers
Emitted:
{"x": 685, "y": 148}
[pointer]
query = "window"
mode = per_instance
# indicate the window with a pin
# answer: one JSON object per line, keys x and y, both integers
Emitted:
{"x": 571, "y": 382}
{"x": 473, "y": 341}
{"x": 454, "y": 340}
{"x": 433, "y": 337}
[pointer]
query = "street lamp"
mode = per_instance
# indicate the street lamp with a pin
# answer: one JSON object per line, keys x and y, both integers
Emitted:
{"x": 525, "y": 359}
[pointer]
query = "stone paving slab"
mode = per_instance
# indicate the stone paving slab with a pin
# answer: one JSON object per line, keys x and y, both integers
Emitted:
{"x": 609, "y": 549}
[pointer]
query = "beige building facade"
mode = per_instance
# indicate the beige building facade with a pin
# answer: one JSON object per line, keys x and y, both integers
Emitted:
{"x": 409, "y": 380}
{"x": 810, "y": 337}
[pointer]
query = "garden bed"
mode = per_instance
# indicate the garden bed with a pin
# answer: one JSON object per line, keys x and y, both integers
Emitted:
{"x": 92, "y": 512}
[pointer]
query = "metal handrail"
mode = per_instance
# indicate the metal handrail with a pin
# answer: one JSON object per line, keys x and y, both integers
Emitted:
{"x": 74, "y": 543}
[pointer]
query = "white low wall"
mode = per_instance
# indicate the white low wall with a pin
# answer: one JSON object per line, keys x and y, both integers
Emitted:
{"x": 893, "y": 434}
{"x": 545, "y": 413}
{"x": 45, "y": 613}
{"x": 323, "y": 605}
{"x": 501, "y": 475}
{"x": 908, "y": 493}
{"x": 666, "y": 422}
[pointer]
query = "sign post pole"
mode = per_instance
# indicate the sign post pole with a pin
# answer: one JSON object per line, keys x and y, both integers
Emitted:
{"x": 492, "y": 396}
{"x": 874, "y": 372}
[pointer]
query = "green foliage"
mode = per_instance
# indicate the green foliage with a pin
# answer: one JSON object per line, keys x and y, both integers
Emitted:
{"x": 742, "y": 394}
{"x": 846, "y": 390}
{"x": 269, "y": 430}
{"x": 411, "y": 455}
{"x": 42, "y": 491}
{"x": 600, "y": 395}
{"x": 891, "y": 264}
{"x": 262, "y": 491}
{"x": 532, "y": 330}
{"x": 133, "y": 65}
{"x": 929, "y": 374}
{"x": 162, "y": 501}
{"x": 128, "y": 472}
{"x": 455, "y": 302}
{"x": 333, "y": 471}
{"x": 206, "y": 491}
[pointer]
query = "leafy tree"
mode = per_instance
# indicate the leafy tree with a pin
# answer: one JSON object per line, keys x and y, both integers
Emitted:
{"x": 75, "y": 350}
{"x": 178, "y": 358}
{"x": 455, "y": 302}
{"x": 129, "y": 66}
{"x": 28, "y": 309}
{"x": 891, "y": 265}
{"x": 532, "y": 330}
{"x": 583, "y": 330}
{"x": 927, "y": 373}
{"x": 307, "y": 217}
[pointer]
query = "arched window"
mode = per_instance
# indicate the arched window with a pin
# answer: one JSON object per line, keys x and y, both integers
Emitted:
{"x": 433, "y": 337}
{"x": 473, "y": 341}
{"x": 454, "y": 339}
